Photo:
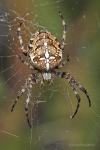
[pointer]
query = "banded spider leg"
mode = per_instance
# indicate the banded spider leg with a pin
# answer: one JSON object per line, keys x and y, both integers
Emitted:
{"x": 74, "y": 85}
{"x": 26, "y": 88}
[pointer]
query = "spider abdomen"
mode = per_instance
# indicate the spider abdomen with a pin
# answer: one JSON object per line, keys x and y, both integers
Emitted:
{"x": 45, "y": 51}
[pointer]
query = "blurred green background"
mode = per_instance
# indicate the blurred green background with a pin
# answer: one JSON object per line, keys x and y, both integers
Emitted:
{"x": 53, "y": 129}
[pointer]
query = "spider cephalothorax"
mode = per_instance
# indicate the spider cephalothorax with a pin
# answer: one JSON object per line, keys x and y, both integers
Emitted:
{"x": 44, "y": 53}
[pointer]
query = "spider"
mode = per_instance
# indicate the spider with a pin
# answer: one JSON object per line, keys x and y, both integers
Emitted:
{"x": 44, "y": 54}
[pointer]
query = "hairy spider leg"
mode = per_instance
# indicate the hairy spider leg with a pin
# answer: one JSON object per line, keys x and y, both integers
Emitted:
{"x": 30, "y": 82}
{"x": 25, "y": 62}
{"x": 77, "y": 96}
{"x": 27, "y": 87}
{"x": 20, "y": 93}
{"x": 64, "y": 31}
{"x": 21, "y": 39}
{"x": 81, "y": 87}
{"x": 29, "y": 91}
{"x": 63, "y": 38}
{"x": 73, "y": 83}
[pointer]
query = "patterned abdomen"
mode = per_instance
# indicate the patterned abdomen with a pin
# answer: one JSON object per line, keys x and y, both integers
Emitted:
{"x": 45, "y": 51}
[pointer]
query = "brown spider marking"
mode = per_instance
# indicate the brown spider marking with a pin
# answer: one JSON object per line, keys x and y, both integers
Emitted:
{"x": 45, "y": 52}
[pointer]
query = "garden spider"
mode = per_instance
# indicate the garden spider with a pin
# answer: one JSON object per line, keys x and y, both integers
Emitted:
{"x": 44, "y": 53}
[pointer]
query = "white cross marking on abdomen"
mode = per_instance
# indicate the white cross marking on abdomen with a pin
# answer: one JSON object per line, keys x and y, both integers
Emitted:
{"x": 47, "y": 56}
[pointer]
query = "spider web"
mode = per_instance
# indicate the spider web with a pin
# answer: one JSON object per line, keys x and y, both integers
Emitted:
{"x": 52, "y": 129}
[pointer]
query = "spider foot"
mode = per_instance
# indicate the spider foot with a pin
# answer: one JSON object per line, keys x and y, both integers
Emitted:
{"x": 78, "y": 100}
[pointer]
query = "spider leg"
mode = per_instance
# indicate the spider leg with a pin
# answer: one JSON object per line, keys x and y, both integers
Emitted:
{"x": 27, "y": 115}
{"x": 63, "y": 63}
{"x": 31, "y": 81}
{"x": 26, "y": 106}
{"x": 73, "y": 83}
{"x": 25, "y": 62}
{"x": 27, "y": 86}
{"x": 82, "y": 88}
{"x": 21, "y": 39}
{"x": 64, "y": 30}
{"x": 20, "y": 93}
